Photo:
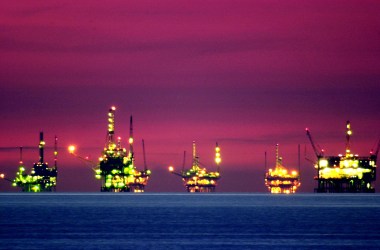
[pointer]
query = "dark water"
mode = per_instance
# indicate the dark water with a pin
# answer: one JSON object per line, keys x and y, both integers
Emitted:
{"x": 189, "y": 221}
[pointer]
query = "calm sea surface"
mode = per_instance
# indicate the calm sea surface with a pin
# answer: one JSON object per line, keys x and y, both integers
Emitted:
{"x": 189, "y": 221}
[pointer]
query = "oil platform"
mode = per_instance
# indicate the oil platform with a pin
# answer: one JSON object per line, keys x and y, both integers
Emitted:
{"x": 116, "y": 168}
{"x": 42, "y": 178}
{"x": 197, "y": 179}
{"x": 280, "y": 180}
{"x": 346, "y": 173}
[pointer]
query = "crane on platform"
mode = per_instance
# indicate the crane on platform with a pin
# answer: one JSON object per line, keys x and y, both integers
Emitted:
{"x": 375, "y": 152}
{"x": 317, "y": 149}
{"x": 319, "y": 153}
{"x": 2, "y": 176}
{"x": 72, "y": 150}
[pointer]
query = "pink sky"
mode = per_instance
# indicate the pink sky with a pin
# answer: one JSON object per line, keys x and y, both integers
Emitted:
{"x": 248, "y": 74}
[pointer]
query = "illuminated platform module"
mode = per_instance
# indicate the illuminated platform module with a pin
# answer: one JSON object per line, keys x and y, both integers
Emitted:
{"x": 197, "y": 179}
{"x": 347, "y": 173}
{"x": 279, "y": 180}
{"x": 116, "y": 168}
{"x": 42, "y": 178}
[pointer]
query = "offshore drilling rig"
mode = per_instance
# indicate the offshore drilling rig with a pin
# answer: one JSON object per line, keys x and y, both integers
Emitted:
{"x": 42, "y": 178}
{"x": 280, "y": 180}
{"x": 346, "y": 173}
{"x": 197, "y": 179}
{"x": 116, "y": 168}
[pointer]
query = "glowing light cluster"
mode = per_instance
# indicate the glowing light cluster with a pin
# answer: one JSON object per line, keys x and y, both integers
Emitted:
{"x": 111, "y": 120}
{"x": 45, "y": 180}
{"x": 346, "y": 172}
{"x": 344, "y": 168}
{"x": 117, "y": 170}
{"x": 197, "y": 179}
{"x": 218, "y": 159}
{"x": 71, "y": 149}
{"x": 116, "y": 167}
{"x": 42, "y": 178}
{"x": 280, "y": 181}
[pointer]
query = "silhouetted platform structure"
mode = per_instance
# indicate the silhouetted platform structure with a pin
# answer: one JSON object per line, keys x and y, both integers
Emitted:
{"x": 348, "y": 173}
{"x": 116, "y": 168}
{"x": 42, "y": 178}
{"x": 279, "y": 180}
{"x": 197, "y": 179}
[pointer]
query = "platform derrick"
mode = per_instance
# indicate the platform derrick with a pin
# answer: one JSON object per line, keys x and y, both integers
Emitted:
{"x": 346, "y": 173}
{"x": 197, "y": 179}
{"x": 116, "y": 167}
{"x": 41, "y": 178}
{"x": 280, "y": 180}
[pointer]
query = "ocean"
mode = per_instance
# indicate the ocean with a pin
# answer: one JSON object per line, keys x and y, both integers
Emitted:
{"x": 189, "y": 221}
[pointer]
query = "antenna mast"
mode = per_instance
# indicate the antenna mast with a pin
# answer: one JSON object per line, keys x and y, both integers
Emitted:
{"x": 217, "y": 155}
{"x": 299, "y": 159}
{"x": 111, "y": 125}
{"x": 131, "y": 154}
{"x": 184, "y": 161}
{"x": 277, "y": 157}
{"x": 21, "y": 156}
{"x": 265, "y": 161}
{"x": 195, "y": 157}
{"x": 348, "y": 135}
{"x": 41, "y": 147}
{"x": 143, "y": 145}
{"x": 55, "y": 151}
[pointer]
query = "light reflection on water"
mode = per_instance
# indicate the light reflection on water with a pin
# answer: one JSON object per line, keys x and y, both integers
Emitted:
{"x": 189, "y": 221}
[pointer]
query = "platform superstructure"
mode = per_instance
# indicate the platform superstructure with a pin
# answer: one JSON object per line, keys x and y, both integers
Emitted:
{"x": 345, "y": 173}
{"x": 116, "y": 167}
{"x": 280, "y": 179}
{"x": 42, "y": 178}
{"x": 197, "y": 179}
